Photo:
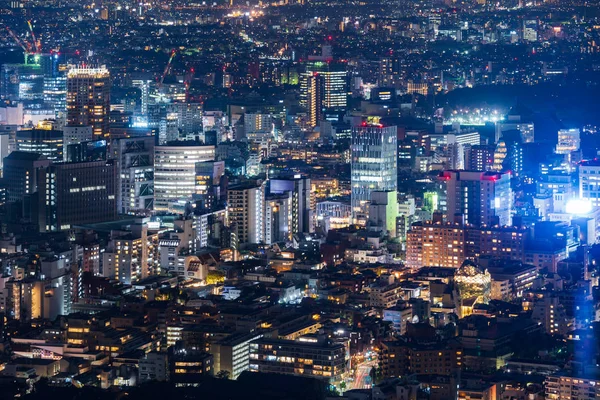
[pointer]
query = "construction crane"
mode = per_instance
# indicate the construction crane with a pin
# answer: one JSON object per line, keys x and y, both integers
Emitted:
{"x": 35, "y": 42}
{"x": 26, "y": 49}
{"x": 162, "y": 79}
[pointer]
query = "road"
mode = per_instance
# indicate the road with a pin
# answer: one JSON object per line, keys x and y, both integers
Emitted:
{"x": 361, "y": 375}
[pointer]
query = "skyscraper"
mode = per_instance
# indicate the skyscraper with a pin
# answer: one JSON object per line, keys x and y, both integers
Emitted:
{"x": 482, "y": 197}
{"x": 374, "y": 157}
{"x": 175, "y": 171}
{"x": 326, "y": 79}
{"x": 314, "y": 98}
{"x": 88, "y": 98}
{"x": 303, "y": 201}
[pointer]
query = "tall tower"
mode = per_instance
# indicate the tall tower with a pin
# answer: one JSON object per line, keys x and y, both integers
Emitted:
{"x": 314, "y": 100}
{"x": 374, "y": 157}
{"x": 88, "y": 99}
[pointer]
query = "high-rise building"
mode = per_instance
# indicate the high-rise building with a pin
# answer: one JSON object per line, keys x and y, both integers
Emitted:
{"x": 245, "y": 211}
{"x": 76, "y": 193}
{"x": 484, "y": 198}
{"x": 88, "y": 98}
{"x": 383, "y": 211}
{"x": 135, "y": 174}
{"x": 48, "y": 142}
{"x": 303, "y": 201}
{"x": 314, "y": 98}
{"x": 278, "y": 217}
{"x": 22, "y": 82}
{"x": 374, "y": 164}
{"x": 568, "y": 141}
{"x": 20, "y": 174}
{"x": 479, "y": 157}
{"x": 175, "y": 171}
{"x": 131, "y": 254}
{"x": 145, "y": 86}
{"x": 208, "y": 179}
{"x": 326, "y": 79}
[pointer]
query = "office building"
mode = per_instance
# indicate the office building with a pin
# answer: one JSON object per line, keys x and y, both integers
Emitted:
{"x": 374, "y": 165}
{"x": 20, "y": 174}
{"x": 73, "y": 194}
{"x": 245, "y": 211}
{"x": 135, "y": 174}
{"x": 316, "y": 357}
{"x": 88, "y": 99}
{"x": 569, "y": 140}
{"x": 483, "y": 198}
{"x": 175, "y": 171}
{"x": 324, "y": 86}
{"x": 48, "y": 142}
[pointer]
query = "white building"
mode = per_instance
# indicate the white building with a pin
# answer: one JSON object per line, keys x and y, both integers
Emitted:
{"x": 245, "y": 212}
{"x": 135, "y": 174}
{"x": 175, "y": 171}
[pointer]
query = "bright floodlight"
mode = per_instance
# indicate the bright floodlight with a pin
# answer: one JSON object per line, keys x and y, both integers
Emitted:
{"x": 579, "y": 206}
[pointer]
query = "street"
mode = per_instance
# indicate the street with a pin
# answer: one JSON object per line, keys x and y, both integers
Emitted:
{"x": 362, "y": 380}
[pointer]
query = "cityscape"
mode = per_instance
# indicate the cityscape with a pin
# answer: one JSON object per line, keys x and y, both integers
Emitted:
{"x": 300, "y": 199}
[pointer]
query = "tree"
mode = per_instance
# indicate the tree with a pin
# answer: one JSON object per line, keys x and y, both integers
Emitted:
{"x": 215, "y": 277}
{"x": 222, "y": 374}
